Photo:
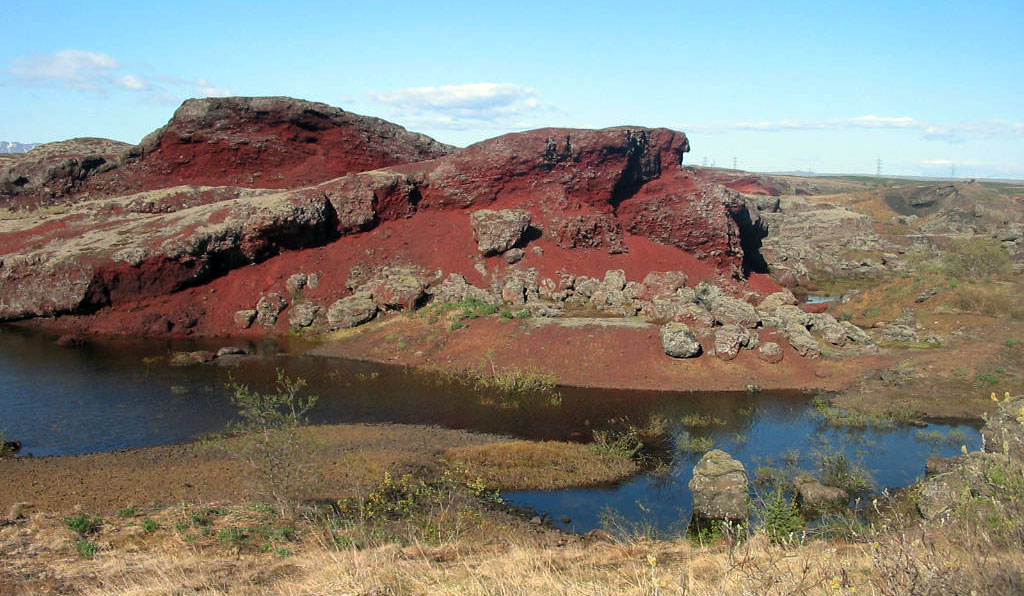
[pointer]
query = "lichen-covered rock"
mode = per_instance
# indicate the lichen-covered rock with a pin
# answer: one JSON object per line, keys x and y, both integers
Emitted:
{"x": 777, "y": 299}
{"x": 856, "y": 334}
{"x": 899, "y": 334}
{"x": 191, "y": 358}
{"x": 727, "y": 310}
{"x": 396, "y": 288}
{"x": 351, "y": 311}
{"x": 269, "y": 307}
{"x": 296, "y": 282}
{"x": 663, "y": 284}
{"x": 802, "y": 341}
{"x": 303, "y": 314}
{"x": 243, "y": 319}
{"x": 791, "y": 316}
{"x": 730, "y": 338}
{"x": 770, "y": 352}
{"x": 497, "y": 231}
{"x": 720, "y": 490}
{"x": 455, "y": 289}
{"x": 614, "y": 280}
{"x": 815, "y": 497}
{"x": 513, "y": 255}
{"x": 679, "y": 341}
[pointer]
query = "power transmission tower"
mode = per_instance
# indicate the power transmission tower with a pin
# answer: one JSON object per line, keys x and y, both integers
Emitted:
{"x": 952, "y": 170}
{"x": 734, "y": 163}
{"x": 878, "y": 168}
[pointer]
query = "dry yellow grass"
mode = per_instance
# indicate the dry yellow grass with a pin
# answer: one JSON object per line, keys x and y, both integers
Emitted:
{"x": 504, "y": 559}
{"x": 547, "y": 465}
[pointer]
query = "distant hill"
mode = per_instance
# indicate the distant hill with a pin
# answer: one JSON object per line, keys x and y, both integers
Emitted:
{"x": 13, "y": 147}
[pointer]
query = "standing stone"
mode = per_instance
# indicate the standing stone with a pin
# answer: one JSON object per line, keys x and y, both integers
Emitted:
{"x": 720, "y": 490}
{"x": 679, "y": 341}
{"x": 498, "y": 231}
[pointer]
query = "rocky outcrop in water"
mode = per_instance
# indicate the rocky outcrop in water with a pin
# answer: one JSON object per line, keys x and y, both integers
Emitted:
{"x": 720, "y": 491}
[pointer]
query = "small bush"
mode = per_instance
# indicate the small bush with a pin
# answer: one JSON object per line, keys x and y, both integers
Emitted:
{"x": 86, "y": 548}
{"x": 270, "y": 443}
{"x": 149, "y": 526}
{"x": 780, "y": 517}
{"x": 976, "y": 258}
{"x": 126, "y": 512}
{"x": 694, "y": 445}
{"x": 837, "y": 470}
{"x": 83, "y": 523}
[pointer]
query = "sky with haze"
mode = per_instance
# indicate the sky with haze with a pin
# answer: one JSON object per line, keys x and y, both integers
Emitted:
{"x": 928, "y": 88}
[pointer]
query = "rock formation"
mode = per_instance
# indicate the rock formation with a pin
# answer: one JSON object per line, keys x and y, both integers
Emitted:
{"x": 720, "y": 491}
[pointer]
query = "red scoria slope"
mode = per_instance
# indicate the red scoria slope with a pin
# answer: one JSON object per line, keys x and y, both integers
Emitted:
{"x": 162, "y": 252}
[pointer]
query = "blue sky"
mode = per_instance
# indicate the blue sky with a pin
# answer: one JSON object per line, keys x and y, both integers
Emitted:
{"x": 822, "y": 86}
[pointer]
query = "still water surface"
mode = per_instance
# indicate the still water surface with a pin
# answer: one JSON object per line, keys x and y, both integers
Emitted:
{"x": 114, "y": 395}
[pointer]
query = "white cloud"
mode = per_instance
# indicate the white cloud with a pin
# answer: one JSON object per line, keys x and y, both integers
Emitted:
{"x": 950, "y": 133}
{"x": 459, "y": 107}
{"x": 101, "y": 73}
{"x": 131, "y": 82}
{"x": 205, "y": 88}
{"x": 77, "y": 69}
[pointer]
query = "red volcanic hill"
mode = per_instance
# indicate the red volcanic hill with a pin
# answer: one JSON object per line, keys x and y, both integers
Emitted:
{"x": 248, "y": 142}
{"x": 346, "y": 216}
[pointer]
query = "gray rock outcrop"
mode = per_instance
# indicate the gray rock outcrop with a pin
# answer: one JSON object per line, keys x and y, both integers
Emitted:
{"x": 498, "y": 231}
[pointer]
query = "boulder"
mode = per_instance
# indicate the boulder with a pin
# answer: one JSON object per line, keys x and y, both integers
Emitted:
{"x": 663, "y": 284}
{"x": 296, "y": 282}
{"x": 498, "y": 231}
{"x": 728, "y": 310}
{"x": 269, "y": 307}
{"x": 396, "y": 288}
{"x": 802, "y": 341}
{"x": 303, "y": 314}
{"x": 770, "y": 352}
{"x": 679, "y": 341}
{"x": 614, "y": 280}
{"x": 899, "y": 334}
{"x": 856, "y": 334}
{"x": 513, "y": 255}
{"x": 191, "y": 358}
{"x": 730, "y": 338}
{"x": 243, "y": 318}
{"x": 455, "y": 289}
{"x": 815, "y": 497}
{"x": 720, "y": 490}
{"x": 351, "y": 311}
{"x": 777, "y": 299}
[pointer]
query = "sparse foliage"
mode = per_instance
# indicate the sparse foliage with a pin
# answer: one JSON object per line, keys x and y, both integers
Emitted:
{"x": 270, "y": 443}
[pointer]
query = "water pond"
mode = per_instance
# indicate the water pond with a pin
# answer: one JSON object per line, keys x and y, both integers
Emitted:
{"x": 114, "y": 395}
